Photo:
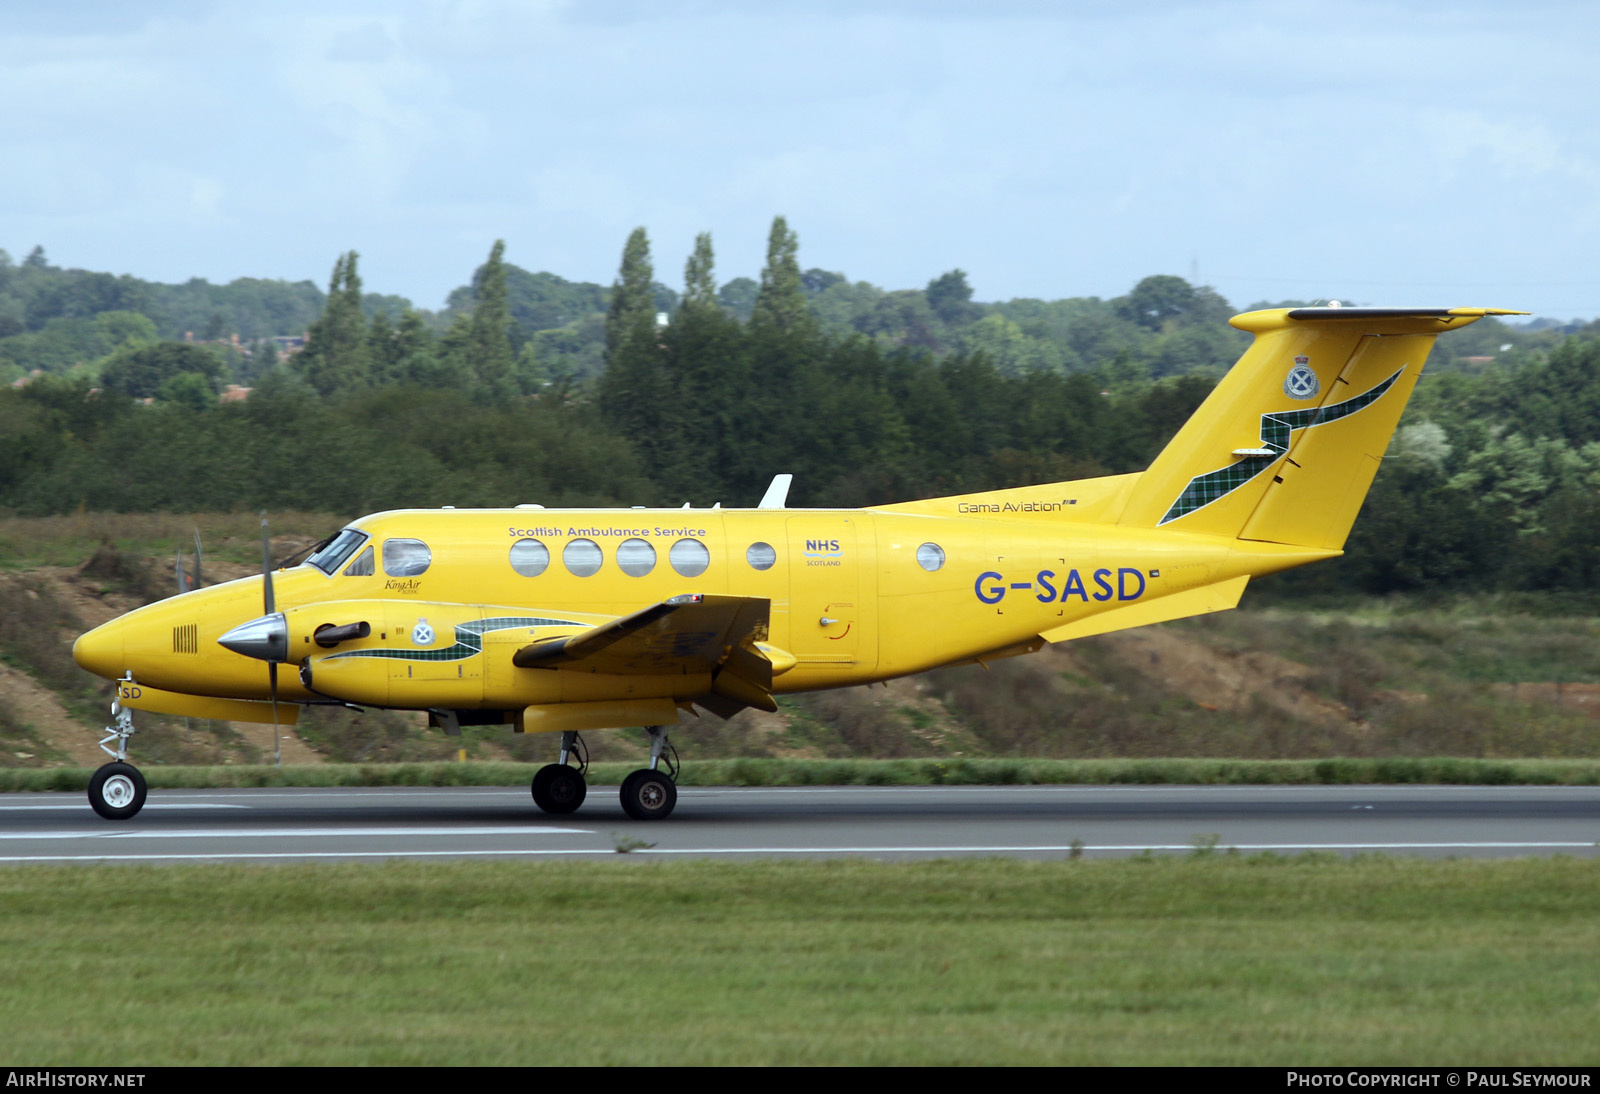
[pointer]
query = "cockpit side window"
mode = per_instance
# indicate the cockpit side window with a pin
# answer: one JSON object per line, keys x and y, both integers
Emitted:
{"x": 362, "y": 566}
{"x": 341, "y": 547}
{"x": 406, "y": 557}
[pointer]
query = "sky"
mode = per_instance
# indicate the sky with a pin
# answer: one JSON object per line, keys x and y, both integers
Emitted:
{"x": 1401, "y": 154}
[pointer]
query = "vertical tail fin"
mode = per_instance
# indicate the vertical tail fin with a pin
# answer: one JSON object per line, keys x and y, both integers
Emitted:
{"x": 1284, "y": 449}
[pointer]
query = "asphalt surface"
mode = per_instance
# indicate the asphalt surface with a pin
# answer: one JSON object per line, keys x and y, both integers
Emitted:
{"x": 816, "y": 822}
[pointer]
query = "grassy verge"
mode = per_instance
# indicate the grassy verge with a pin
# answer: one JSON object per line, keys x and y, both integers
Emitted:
{"x": 769, "y": 772}
{"x": 1206, "y": 960}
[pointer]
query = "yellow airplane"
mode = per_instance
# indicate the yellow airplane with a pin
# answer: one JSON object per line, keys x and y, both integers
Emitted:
{"x": 571, "y": 620}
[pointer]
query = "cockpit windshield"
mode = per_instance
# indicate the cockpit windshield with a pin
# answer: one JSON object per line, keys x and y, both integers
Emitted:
{"x": 331, "y": 556}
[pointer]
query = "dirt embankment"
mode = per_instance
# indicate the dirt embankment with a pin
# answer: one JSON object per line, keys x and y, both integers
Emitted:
{"x": 51, "y": 713}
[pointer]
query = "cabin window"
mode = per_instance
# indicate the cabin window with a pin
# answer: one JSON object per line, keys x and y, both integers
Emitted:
{"x": 930, "y": 556}
{"x": 529, "y": 557}
{"x": 362, "y": 566}
{"x": 689, "y": 557}
{"x": 635, "y": 557}
{"x": 332, "y": 554}
{"x": 406, "y": 557}
{"x": 761, "y": 556}
{"x": 583, "y": 557}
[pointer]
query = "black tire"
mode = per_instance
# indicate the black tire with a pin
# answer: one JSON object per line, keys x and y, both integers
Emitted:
{"x": 649, "y": 795}
{"x": 116, "y": 791}
{"x": 558, "y": 788}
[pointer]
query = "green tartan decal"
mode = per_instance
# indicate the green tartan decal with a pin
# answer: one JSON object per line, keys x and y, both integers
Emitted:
{"x": 1275, "y": 433}
{"x": 468, "y": 643}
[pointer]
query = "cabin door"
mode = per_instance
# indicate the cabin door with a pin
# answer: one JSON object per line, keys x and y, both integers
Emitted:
{"x": 824, "y": 588}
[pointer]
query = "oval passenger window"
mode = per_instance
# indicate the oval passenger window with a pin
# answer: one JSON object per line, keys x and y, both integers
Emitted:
{"x": 529, "y": 557}
{"x": 689, "y": 557}
{"x": 406, "y": 557}
{"x": 761, "y": 556}
{"x": 583, "y": 557}
{"x": 635, "y": 557}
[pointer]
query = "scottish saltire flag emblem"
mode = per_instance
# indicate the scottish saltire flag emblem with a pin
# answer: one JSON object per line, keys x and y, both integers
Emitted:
{"x": 1301, "y": 383}
{"x": 1276, "y": 430}
{"x": 422, "y": 634}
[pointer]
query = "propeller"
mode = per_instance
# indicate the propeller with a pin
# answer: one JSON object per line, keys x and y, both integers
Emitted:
{"x": 187, "y": 584}
{"x": 265, "y": 638}
{"x": 270, "y": 603}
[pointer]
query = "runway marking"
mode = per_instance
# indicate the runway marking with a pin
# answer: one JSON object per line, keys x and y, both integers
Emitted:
{"x": 151, "y": 805}
{"x": 294, "y": 833}
{"x": 570, "y": 852}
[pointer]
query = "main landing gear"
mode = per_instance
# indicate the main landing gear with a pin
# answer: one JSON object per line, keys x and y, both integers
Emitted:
{"x": 560, "y": 788}
{"x": 116, "y": 790}
{"x": 648, "y": 794}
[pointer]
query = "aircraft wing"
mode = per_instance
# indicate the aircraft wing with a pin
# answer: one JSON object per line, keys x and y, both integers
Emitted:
{"x": 720, "y": 635}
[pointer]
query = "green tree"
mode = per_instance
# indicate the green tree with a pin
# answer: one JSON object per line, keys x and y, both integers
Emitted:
{"x": 336, "y": 356}
{"x": 710, "y": 376}
{"x": 142, "y": 371}
{"x": 739, "y": 297}
{"x": 1156, "y": 299}
{"x": 634, "y": 389}
{"x": 950, "y": 297}
{"x": 780, "y": 307}
{"x": 493, "y": 361}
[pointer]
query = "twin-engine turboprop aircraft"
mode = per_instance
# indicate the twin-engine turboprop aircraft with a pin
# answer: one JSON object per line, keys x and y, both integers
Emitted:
{"x": 564, "y": 621}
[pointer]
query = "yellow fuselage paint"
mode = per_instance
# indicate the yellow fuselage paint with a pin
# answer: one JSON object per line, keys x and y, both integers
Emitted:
{"x": 850, "y": 602}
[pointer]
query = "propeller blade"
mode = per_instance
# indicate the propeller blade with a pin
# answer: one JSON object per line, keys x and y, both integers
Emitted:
{"x": 266, "y": 567}
{"x": 277, "y": 734}
{"x": 197, "y": 581}
{"x": 183, "y": 581}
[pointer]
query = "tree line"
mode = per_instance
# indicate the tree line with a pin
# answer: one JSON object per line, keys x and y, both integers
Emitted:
{"x": 700, "y": 394}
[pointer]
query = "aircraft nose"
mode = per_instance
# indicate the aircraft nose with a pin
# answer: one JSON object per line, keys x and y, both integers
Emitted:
{"x": 100, "y": 651}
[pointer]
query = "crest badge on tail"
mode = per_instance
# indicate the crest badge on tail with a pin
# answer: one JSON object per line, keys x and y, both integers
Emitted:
{"x": 1301, "y": 383}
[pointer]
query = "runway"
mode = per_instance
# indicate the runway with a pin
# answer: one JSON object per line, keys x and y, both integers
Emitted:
{"x": 276, "y": 825}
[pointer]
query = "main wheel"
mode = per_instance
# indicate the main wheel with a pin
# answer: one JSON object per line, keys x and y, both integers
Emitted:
{"x": 116, "y": 791}
{"x": 649, "y": 795}
{"x": 558, "y": 788}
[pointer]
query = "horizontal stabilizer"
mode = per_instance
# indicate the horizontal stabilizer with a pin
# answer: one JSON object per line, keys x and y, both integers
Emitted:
{"x": 1208, "y": 598}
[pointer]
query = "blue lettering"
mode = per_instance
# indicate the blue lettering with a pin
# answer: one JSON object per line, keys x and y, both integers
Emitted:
{"x": 1101, "y": 579}
{"x": 995, "y": 593}
{"x": 1074, "y": 587}
{"x": 1049, "y": 594}
{"x": 1122, "y": 584}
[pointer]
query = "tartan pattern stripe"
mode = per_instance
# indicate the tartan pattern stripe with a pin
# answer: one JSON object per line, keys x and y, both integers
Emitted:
{"x": 468, "y": 643}
{"x": 1276, "y": 430}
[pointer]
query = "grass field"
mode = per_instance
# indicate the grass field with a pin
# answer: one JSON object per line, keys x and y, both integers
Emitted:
{"x": 1215, "y": 958}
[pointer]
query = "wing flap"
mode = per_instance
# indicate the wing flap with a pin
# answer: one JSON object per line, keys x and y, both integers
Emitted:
{"x": 686, "y": 635}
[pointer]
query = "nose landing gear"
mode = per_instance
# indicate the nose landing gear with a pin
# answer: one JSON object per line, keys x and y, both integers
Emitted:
{"x": 117, "y": 790}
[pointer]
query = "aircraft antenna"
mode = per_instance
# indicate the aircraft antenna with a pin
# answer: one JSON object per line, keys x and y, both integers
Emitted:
{"x": 777, "y": 494}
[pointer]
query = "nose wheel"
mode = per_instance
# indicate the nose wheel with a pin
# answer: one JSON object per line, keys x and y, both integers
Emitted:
{"x": 116, "y": 790}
